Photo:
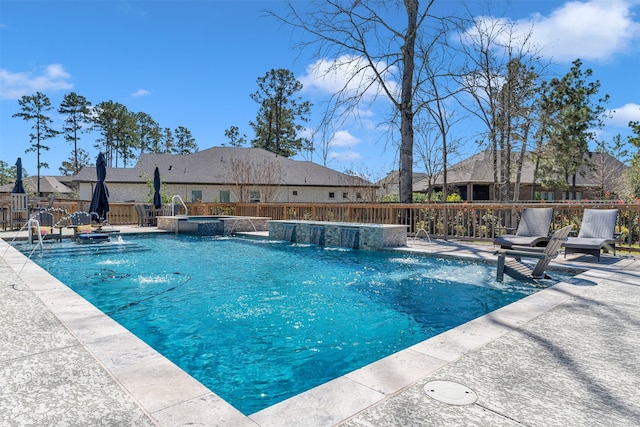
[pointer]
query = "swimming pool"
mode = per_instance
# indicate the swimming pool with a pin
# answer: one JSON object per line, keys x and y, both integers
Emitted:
{"x": 260, "y": 321}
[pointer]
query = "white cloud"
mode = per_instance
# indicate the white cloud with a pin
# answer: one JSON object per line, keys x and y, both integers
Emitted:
{"x": 343, "y": 138}
{"x": 349, "y": 73}
{"x": 141, "y": 92}
{"x": 623, "y": 115}
{"x": 591, "y": 30}
{"x": 15, "y": 85}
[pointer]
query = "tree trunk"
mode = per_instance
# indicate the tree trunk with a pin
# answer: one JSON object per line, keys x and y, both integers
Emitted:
{"x": 520, "y": 162}
{"x": 406, "y": 103}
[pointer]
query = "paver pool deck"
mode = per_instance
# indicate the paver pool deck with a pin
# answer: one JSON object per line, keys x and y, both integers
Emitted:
{"x": 568, "y": 355}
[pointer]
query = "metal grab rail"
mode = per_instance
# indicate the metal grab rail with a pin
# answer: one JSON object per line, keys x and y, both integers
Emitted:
{"x": 30, "y": 222}
{"x": 177, "y": 196}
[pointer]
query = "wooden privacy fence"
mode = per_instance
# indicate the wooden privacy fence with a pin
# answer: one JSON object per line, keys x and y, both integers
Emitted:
{"x": 463, "y": 221}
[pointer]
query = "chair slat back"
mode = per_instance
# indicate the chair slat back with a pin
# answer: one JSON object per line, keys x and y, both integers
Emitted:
{"x": 535, "y": 222}
{"x": 45, "y": 219}
{"x": 19, "y": 202}
{"x": 598, "y": 223}
{"x": 551, "y": 251}
{"x": 80, "y": 218}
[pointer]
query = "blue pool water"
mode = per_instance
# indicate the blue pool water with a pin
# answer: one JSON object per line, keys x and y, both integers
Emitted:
{"x": 260, "y": 321}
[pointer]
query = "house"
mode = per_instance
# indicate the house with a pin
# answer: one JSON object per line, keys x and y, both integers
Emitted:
{"x": 49, "y": 185}
{"x": 472, "y": 178}
{"x": 390, "y": 184}
{"x": 229, "y": 174}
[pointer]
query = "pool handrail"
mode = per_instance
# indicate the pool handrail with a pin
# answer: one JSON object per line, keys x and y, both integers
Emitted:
{"x": 173, "y": 199}
{"x": 32, "y": 222}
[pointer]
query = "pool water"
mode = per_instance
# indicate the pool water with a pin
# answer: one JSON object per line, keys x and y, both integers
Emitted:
{"x": 260, "y": 321}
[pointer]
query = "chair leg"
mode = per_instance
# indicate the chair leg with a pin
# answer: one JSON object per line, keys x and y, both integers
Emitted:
{"x": 500, "y": 267}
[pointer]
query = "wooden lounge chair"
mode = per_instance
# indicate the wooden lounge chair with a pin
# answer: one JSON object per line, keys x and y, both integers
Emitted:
{"x": 145, "y": 215}
{"x": 80, "y": 218}
{"x": 520, "y": 271}
{"x": 46, "y": 226}
{"x": 597, "y": 232}
{"x": 81, "y": 223}
{"x": 19, "y": 210}
{"x": 533, "y": 229}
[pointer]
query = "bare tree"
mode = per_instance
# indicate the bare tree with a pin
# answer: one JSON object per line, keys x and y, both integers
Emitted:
{"x": 263, "y": 177}
{"x": 376, "y": 53}
{"x": 357, "y": 184}
{"x": 498, "y": 79}
{"x": 427, "y": 148}
{"x": 438, "y": 77}
{"x": 608, "y": 166}
{"x": 517, "y": 107}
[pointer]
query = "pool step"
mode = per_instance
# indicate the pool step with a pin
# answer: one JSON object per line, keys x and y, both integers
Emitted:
{"x": 82, "y": 250}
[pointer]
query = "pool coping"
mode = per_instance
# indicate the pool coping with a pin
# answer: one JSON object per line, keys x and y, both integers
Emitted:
{"x": 169, "y": 396}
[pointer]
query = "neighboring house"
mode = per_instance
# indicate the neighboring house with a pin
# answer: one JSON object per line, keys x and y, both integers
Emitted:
{"x": 390, "y": 184}
{"x": 229, "y": 174}
{"x": 48, "y": 185}
{"x": 472, "y": 178}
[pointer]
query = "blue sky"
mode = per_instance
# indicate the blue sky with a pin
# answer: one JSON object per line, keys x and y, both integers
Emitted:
{"x": 193, "y": 63}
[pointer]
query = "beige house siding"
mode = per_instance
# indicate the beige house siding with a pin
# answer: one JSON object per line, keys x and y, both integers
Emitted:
{"x": 207, "y": 173}
{"x": 124, "y": 192}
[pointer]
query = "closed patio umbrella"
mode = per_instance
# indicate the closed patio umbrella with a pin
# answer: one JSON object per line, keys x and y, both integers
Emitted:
{"x": 100, "y": 199}
{"x": 18, "y": 188}
{"x": 157, "y": 200}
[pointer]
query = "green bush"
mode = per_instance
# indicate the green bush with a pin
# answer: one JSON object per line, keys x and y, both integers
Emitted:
{"x": 454, "y": 198}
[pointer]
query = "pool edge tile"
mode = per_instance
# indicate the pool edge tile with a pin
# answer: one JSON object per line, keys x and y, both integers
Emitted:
{"x": 394, "y": 372}
{"x": 324, "y": 405}
{"x": 201, "y": 410}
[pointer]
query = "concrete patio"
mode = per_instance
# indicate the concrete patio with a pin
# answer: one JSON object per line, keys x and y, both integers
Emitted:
{"x": 567, "y": 355}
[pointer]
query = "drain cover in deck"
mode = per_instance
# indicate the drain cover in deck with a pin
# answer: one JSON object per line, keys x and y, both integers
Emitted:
{"x": 450, "y": 392}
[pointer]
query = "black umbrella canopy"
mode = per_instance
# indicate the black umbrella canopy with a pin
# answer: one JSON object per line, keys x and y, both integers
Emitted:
{"x": 157, "y": 200}
{"x": 18, "y": 188}
{"x": 100, "y": 199}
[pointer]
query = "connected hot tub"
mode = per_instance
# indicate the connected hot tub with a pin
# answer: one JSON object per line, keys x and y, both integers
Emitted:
{"x": 212, "y": 225}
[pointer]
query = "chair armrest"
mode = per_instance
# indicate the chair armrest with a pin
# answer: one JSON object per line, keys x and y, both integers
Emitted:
{"x": 505, "y": 230}
{"x": 520, "y": 254}
{"x": 529, "y": 249}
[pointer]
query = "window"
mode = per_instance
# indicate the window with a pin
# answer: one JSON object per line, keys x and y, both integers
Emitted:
{"x": 225, "y": 197}
{"x": 254, "y": 196}
{"x": 569, "y": 195}
{"x": 295, "y": 193}
{"x": 332, "y": 195}
{"x": 544, "y": 195}
{"x": 196, "y": 196}
{"x": 345, "y": 195}
{"x": 358, "y": 195}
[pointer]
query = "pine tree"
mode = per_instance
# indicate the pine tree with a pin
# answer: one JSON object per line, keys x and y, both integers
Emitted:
{"x": 76, "y": 109}
{"x": 573, "y": 118}
{"x": 185, "y": 143}
{"x": 276, "y": 126}
{"x": 34, "y": 108}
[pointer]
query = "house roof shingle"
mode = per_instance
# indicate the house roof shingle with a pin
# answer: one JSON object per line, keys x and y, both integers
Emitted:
{"x": 215, "y": 165}
{"x": 48, "y": 184}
